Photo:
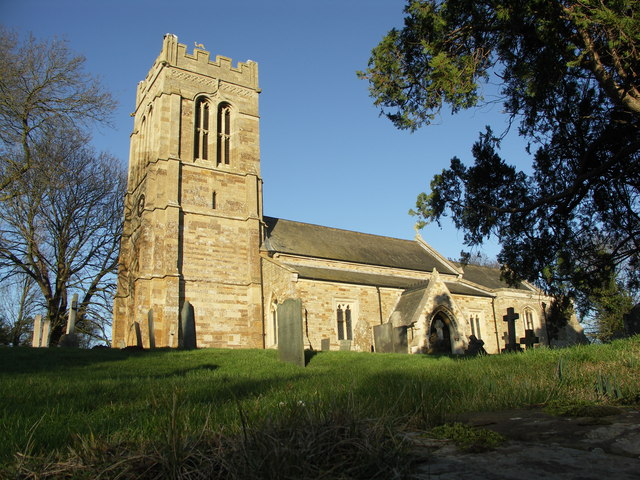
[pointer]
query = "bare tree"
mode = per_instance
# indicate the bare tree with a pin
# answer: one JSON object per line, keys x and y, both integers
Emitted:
{"x": 18, "y": 307}
{"x": 61, "y": 224}
{"x": 41, "y": 84}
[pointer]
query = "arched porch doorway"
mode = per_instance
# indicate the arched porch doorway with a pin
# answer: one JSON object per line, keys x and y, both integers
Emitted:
{"x": 441, "y": 334}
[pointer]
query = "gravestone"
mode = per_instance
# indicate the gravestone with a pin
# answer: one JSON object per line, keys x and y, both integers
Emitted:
{"x": 510, "y": 318}
{"x": 187, "y": 333}
{"x": 46, "y": 330}
{"x": 529, "y": 339}
{"x": 152, "y": 332}
{"x": 382, "y": 338}
{"x": 70, "y": 339}
{"x": 399, "y": 336}
{"x": 290, "y": 334}
{"x": 37, "y": 331}
{"x": 476, "y": 346}
{"x": 325, "y": 344}
{"x": 345, "y": 345}
{"x": 390, "y": 339}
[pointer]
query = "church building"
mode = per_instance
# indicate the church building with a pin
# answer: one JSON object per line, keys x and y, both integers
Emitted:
{"x": 194, "y": 231}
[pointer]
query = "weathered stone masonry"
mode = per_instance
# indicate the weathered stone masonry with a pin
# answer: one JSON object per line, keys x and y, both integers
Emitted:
{"x": 194, "y": 231}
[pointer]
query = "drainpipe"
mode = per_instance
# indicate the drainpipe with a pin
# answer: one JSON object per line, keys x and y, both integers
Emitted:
{"x": 379, "y": 305}
{"x": 495, "y": 322}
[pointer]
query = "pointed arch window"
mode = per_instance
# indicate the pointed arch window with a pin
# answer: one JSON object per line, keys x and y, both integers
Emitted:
{"x": 201, "y": 140}
{"x": 344, "y": 322}
{"x": 528, "y": 319}
{"x": 224, "y": 134}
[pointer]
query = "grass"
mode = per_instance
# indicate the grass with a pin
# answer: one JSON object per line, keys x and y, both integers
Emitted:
{"x": 233, "y": 412}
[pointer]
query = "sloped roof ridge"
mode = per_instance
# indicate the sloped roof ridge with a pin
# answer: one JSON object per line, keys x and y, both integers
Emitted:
{"x": 339, "y": 229}
{"x": 416, "y": 286}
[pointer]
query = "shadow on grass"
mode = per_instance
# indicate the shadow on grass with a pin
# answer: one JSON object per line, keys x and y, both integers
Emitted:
{"x": 32, "y": 360}
{"x": 182, "y": 372}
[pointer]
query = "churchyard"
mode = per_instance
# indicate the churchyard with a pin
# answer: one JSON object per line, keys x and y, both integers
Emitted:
{"x": 244, "y": 413}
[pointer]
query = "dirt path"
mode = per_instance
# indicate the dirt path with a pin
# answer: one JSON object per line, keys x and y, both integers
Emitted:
{"x": 542, "y": 446}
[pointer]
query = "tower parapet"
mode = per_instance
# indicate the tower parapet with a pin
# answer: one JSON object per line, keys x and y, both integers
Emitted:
{"x": 244, "y": 74}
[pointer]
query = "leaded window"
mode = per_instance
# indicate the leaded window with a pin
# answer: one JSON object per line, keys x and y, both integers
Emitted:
{"x": 201, "y": 140}
{"x": 224, "y": 134}
{"x": 344, "y": 321}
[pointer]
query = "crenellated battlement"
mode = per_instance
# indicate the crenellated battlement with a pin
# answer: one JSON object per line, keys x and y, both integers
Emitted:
{"x": 175, "y": 54}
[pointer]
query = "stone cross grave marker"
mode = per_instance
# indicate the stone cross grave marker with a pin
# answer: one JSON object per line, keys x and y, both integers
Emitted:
{"x": 476, "y": 346}
{"x": 187, "y": 333}
{"x": 290, "y": 333}
{"x": 152, "y": 332}
{"x": 510, "y": 318}
{"x": 529, "y": 339}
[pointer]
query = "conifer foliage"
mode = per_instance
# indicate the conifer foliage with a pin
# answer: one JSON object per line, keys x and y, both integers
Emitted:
{"x": 568, "y": 75}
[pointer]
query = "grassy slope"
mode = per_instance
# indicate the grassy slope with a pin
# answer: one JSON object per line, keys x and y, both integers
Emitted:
{"x": 50, "y": 398}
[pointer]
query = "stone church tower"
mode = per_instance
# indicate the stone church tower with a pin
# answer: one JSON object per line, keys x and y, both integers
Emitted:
{"x": 194, "y": 203}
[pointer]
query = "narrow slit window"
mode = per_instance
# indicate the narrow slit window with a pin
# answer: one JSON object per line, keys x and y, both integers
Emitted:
{"x": 340, "y": 315}
{"x": 347, "y": 322}
{"x": 201, "y": 140}
{"x": 224, "y": 134}
{"x": 213, "y": 200}
{"x": 528, "y": 319}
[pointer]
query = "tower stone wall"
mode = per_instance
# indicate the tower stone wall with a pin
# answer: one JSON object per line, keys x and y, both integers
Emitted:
{"x": 194, "y": 203}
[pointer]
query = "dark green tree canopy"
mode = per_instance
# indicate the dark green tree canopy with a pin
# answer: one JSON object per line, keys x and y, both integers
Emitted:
{"x": 568, "y": 72}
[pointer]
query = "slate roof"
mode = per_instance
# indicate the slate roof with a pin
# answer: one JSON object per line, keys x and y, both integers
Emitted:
{"x": 409, "y": 306}
{"x": 487, "y": 277}
{"x": 308, "y": 240}
{"x": 358, "y": 278}
{"x": 296, "y": 238}
{"x": 457, "y": 288}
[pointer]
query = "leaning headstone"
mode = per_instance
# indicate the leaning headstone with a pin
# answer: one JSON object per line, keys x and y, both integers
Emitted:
{"x": 187, "y": 334}
{"x": 70, "y": 340}
{"x": 325, "y": 344}
{"x": 383, "y": 338}
{"x": 529, "y": 339}
{"x": 37, "y": 331}
{"x": 152, "y": 332}
{"x": 290, "y": 333}
{"x": 510, "y": 318}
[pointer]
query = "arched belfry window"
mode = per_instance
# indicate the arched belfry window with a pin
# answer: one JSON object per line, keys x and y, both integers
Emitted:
{"x": 201, "y": 140}
{"x": 224, "y": 133}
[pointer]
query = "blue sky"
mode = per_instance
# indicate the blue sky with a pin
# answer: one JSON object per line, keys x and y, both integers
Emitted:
{"x": 327, "y": 156}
